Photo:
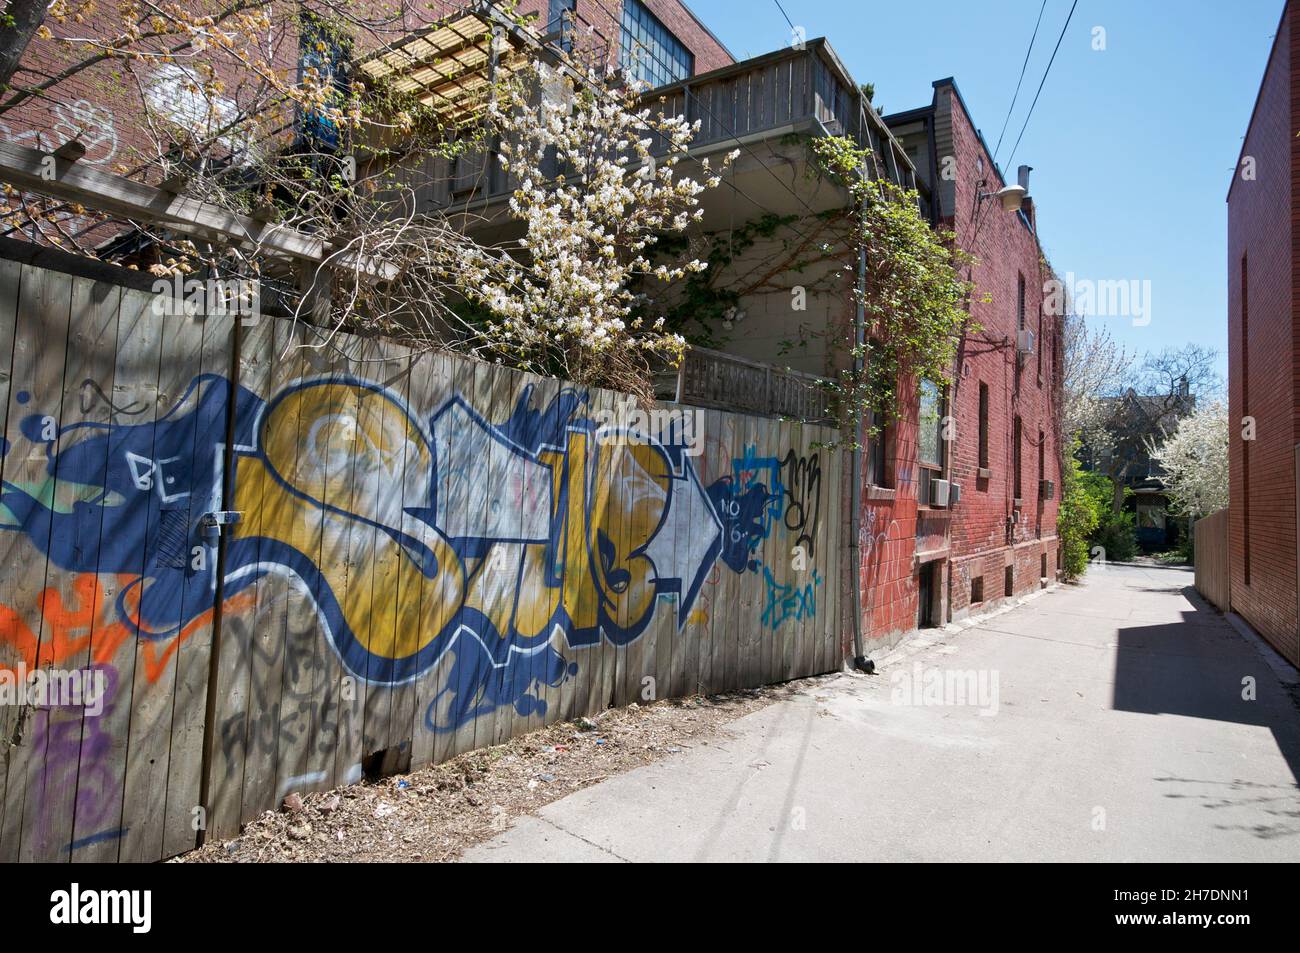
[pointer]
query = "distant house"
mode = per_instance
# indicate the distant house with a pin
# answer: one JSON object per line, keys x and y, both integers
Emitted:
{"x": 1136, "y": 423}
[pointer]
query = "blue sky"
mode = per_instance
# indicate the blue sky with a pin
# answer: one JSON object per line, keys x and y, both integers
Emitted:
{"x": 1133, "y": 147}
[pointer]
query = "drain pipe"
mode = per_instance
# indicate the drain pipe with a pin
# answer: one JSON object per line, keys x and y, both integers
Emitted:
{"x": 860, "y": 660}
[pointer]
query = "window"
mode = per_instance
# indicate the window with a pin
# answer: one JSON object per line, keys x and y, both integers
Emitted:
{"x": 558, "y": 22}
{"x": 1015, "y": 459}
{"x": 984, "y": 426}
{"x": 1042, "y": 461}
{"x": 323, "y": 49}
{"x": 1009, "y": 582}
{"x": 977, "y": 590}
{"x": 877, "y": 472}
{"x": 930, "y": 418}
{"x": 651, "y": 53}
{"x": 1038, "y": 347}
{"x": 1020, "y": 303}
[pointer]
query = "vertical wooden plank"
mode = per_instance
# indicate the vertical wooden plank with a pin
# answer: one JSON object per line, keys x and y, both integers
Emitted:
{"x": 629, "y": 483}
{"x": 430, "y": 390}
{"x": 619, "y": 530}
{"x": 98, "y": 824}
{"x": 570, "y": 467}
{"x": 234, "y": 669}
{"x": 383, "y": 452}
{"x": 299, "y": 424}
{"x": 274, "y": 590}
{"x": 493, "y": 399}
{"x": 781, "y": 640}
{"x": 763, "y": 645}
{"x": 444, "y": 679}
{"x": 805, "y": 476}
{"x": 193, "y": 657}
{"x": 333, "y": 442}
{"x": 459, "y": 492}
{"x": 727, "y": 580}
{"x": 695, "y": 634}
{"x": 92, "y": 345}
{"x": 30, "y": 485}
{"x": 509, "y": 589}
{"x": 408, "y": 630}
{"x": 10, "y": 272}
{"x": 596, "y": 508}
{"x": 833, "y": 518}
{"x": 741, "y": 608}
{"x": 358, "y": 568}
{"x": 167, "y": 513}
{"x": 555, "y": 696}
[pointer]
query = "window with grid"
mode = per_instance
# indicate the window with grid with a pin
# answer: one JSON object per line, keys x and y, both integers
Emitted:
{"x": 649, "y": 52}
{"x": 560, "y": 19}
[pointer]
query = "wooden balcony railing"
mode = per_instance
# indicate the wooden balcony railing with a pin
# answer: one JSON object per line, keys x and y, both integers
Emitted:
{"x": 791, "y": 91}
{"x": 708, "y": 378}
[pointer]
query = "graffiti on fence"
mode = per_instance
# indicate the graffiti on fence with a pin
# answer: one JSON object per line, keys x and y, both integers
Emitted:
{"x": 504, "y": 547}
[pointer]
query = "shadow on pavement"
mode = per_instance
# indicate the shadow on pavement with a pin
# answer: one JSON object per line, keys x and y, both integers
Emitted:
{"x": 1200, "y": 667}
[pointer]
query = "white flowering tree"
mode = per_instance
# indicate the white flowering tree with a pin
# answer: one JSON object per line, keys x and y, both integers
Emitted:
{"x": 1094, "y": 368}
{"x": 598, "y": 185}
{"x": 262, "y": 107}
{"x": 1195, "y": 461}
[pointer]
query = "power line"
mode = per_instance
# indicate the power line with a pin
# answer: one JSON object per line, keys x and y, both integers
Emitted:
{"x": 787, "y": 16}
{"x": 1024, "y": 66}
{"x": 1012, "y": 157}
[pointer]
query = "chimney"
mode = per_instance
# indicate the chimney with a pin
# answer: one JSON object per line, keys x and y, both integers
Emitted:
{"x": 1022, "y": 176}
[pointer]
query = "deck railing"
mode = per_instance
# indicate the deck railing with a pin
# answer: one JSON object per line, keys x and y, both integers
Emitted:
{"x": 790, "y": 91}
{"x": 708, "y": 378}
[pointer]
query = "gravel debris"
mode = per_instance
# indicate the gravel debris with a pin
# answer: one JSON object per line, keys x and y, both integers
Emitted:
{"x": 436, "y": 812}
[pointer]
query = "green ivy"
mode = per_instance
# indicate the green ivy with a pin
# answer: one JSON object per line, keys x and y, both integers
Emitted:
{"x": 705, "y": 300}
{"x": 1079, "y": 514}
{"x": 915, "y": 301}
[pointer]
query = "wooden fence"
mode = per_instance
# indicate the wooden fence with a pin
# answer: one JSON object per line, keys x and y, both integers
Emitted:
{"x": 1212, "y": 575}
{"x": 431, "y": 555}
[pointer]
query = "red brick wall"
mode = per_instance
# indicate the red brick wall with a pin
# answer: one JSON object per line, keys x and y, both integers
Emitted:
{"x": 887, "y": 536}
{"x": 106, "y": 99}
{"x": 1006, "y": 250}
{"x": 1262, "y": 217}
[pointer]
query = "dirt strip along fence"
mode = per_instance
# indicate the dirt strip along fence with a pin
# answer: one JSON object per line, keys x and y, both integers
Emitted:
{"x": 431, "y": 555}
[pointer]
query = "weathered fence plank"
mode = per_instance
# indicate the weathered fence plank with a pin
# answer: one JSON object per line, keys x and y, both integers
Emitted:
{"x": 1213, "y": 574}
{"x": 92, "y": 346}
{"x": 40, "y": 351}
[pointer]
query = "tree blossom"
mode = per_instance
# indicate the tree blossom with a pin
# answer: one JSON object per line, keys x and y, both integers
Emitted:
{"x": 1195, "y": 461}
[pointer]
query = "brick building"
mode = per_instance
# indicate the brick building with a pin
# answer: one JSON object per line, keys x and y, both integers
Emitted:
{"x": 999, "y": 539}
{"x": 111, "y": 105}
{"x": 1263, "y": 350}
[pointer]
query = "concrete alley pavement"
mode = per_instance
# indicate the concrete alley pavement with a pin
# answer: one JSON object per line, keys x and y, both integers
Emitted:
{"x": 1110, "y": 727}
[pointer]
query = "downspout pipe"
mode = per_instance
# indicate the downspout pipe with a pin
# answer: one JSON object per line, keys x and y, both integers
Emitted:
{"x": 860, "y": 660}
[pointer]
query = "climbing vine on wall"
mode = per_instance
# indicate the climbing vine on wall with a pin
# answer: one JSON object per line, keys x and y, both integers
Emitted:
{"x": 915, "y": 299}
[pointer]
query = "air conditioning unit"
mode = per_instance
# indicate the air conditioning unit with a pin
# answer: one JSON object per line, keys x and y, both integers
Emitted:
{"x": 1025, "y": 341}
{"x": 1047, "y": 489}
{"x": 954, "y": 494}
{"x": 940, "y": 492}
